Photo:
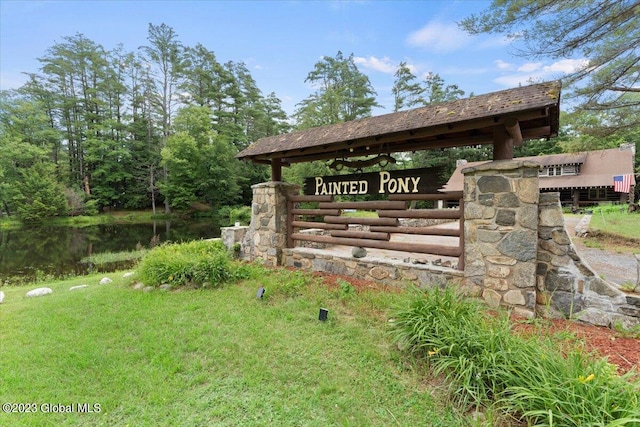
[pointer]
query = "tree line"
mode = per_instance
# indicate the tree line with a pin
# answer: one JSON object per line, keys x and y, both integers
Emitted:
{"x": 159, "y": 127}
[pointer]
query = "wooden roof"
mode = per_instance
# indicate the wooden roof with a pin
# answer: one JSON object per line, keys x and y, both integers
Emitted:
{"x": 463, "y": 122}
{"x": 597, "y": 169}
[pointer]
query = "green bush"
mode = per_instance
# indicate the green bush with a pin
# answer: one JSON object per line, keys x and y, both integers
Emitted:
{"x": 199, "y": 263}
{"x": 527, "y": 379}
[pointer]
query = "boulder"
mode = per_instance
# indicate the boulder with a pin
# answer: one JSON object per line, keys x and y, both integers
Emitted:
{"x": 75, "y": 288}
{"x": 1, "y": 297}
{"x": 38, "y": 292}
{"x": 105, "y": 280}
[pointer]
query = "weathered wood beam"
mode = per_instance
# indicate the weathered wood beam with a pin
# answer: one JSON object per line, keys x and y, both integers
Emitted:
{"x": 361, "y": 235}
{"x": 363, "y": 221}
{"x": 276, "y": 170}
{"x": 310, "y": 198}
{"x": 453, "y": 195}
{"x": 381, "y": 244}
{"x": 513, "y": 129}
{"x": 426, "y": 231}
{"x": 373, "y": 205}
{"x": 315, "y": 212}
{"x": 422, "y": 213}
{"x": 502, "y": 143}
{"x": 321, "y": 225}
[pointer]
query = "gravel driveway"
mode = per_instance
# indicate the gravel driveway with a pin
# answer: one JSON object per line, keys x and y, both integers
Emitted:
{"x": 613, "y": 267}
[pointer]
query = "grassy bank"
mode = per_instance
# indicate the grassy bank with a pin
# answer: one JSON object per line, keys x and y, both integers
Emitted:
{"x": 614, "y": 229}
{"x": 210, "y": 357}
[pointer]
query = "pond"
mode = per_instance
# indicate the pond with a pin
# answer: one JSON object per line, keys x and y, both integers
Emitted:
{"x": 56, "y": 251}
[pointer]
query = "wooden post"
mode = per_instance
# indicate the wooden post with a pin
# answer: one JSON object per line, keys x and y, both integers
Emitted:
{"x": 276, "y": 170}
{"x": 502, "y": 144}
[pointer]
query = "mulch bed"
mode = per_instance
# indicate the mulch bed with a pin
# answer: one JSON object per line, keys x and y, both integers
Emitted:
{"x": 621, "y": 351}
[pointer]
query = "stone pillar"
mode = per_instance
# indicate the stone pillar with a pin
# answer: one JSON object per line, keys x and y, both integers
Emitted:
{"x": 267, "y": 234}
{"x": 501, "y": 233}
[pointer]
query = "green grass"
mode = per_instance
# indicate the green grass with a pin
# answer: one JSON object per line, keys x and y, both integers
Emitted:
{"x": 211, "y": 357}
{"x": 531, "y": 380}
{"x": 616, "y": 223}
{"x": 113, "y": 257}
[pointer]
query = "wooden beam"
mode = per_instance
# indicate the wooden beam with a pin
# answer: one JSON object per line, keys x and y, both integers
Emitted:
{"x": 502, "y": 144}
{"x": 321, "y": 225}
{"x": 422, "y": 213}
{"x": 453, "y": 195}
{"x": 276, "y": 170}
{"x": 363, "y": 221}
{"x": 425, "y": 231}
{"x": 311, "y": 198}
{"x": 513, "y": 129}
{"x": 373, "y": 205}
{"x": 361, "y": 235}
{"x": 442, "y": 250}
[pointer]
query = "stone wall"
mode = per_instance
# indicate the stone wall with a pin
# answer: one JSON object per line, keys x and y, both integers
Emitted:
{"x": 501, "y": 223}
{"x": 381, "y": 270}
{"x": 267, "y": 234}
{"x": 566, "y": 285}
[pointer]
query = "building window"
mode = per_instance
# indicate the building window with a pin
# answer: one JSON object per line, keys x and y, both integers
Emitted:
{"x": 597, "y": 193}
{"x": 559, "y": 170}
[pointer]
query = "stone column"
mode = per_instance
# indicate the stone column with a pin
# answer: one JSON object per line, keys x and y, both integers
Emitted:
{"x": 501, "y": 233}
{"x": 267, "y": 234}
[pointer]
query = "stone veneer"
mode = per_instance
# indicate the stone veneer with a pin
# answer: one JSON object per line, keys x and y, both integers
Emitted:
{"x": 566, "y": 285}
{"x": 500, "y": 227}
{"x": 380, "y": 270}
{"x": 267, "y": 234}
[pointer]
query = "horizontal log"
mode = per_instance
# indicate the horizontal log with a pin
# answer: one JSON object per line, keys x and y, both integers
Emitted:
{"x": 374, "y": 205}
{"x": 380, "y": 244}
{"x": 362, "y": 221}
{"x": 322, "y": 225}
{"x": 361, "y": 235}
{"x": 425, "y": 231}
{"x": 453, "y": 195}
{"x": 323, "y": 212}
{"x": 301, "y": 198}
{"x": 422, "y": 213}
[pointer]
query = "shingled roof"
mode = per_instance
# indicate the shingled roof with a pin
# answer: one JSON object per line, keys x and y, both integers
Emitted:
{"x": 597, "y": 169}
{"x": 463, "y": 122}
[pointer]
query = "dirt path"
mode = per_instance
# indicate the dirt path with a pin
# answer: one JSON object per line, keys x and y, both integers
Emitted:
{"x": 617, "y": 268}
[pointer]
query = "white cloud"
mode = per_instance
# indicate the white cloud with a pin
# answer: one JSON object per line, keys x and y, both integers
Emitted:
{"x": 529, "y": 67}
{"x": 439, "y": 37}
{"x": 384, "y": 65}
{"x": 537, "y": 72}
{"x": 502, "y": 65}
{"x": 566, "y": 65}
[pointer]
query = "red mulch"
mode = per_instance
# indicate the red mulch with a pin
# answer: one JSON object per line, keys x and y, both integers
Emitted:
{"x": 621, "y": 351}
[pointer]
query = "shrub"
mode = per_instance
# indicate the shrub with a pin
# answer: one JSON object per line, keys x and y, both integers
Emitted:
{"x": 528, "y": 379}
{"x": 200, "y": 263}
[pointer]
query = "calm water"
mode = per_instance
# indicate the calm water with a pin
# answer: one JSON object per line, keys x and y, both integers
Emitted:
{"x": 57, "y": 251}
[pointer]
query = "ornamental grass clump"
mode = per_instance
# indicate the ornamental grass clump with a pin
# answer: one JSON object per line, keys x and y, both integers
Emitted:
{"x": 199, "y": 263}
{"x": 528, "y": 379}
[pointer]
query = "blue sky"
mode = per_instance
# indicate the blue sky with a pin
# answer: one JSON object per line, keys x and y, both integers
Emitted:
{"x": 280, "y": 41}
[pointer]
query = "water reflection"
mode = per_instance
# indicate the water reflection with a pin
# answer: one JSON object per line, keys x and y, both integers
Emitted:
{"x": 57, "y": 251}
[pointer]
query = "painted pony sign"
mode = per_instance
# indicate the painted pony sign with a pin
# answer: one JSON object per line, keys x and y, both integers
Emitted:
{"x": 408, "y": 181}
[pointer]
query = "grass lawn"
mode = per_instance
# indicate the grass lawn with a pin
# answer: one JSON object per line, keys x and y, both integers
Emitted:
{"x": 210, "y": 357}
{"x": 618, "y": 223}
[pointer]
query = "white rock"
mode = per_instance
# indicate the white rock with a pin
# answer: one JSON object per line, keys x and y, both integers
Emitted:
{"x": 73, "y": 288}
{"x": 1, "y": 297}
{"x": 129, "y": 274}
{"x": 105, "y": 280}
{"x": 38, "y": 292}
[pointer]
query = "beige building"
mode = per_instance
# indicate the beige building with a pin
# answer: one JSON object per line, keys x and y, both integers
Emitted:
{"x": 584, "y": 178}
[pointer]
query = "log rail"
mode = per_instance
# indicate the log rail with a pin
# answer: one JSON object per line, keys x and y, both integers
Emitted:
{"x": 326, "y": 216}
